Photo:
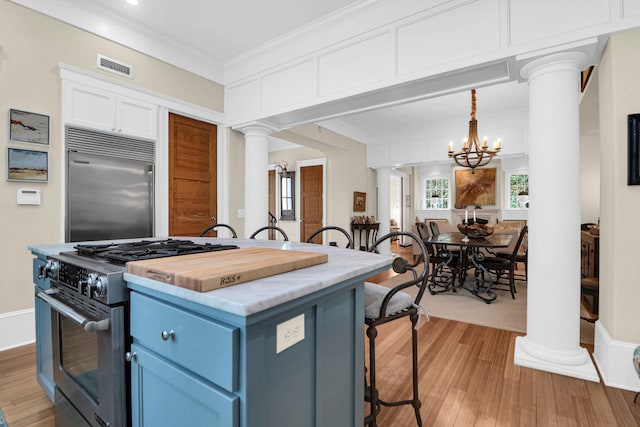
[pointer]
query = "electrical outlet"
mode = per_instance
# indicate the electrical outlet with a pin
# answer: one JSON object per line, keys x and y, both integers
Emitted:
{"x": 289, "y": 333}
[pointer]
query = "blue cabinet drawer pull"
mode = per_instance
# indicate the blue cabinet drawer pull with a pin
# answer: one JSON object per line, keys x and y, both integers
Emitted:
{"x": 166, "y": 335}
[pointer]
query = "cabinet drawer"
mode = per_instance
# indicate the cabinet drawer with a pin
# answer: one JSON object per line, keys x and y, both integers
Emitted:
{"x": 203, "y": 346}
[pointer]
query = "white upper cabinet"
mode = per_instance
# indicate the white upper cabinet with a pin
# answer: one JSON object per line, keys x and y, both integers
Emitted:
{"x": 99, "y": 109}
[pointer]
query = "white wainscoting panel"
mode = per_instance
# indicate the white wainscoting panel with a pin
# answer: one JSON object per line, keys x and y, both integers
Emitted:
{"x": 242, "y": 100}
{"x": 470, "y": 31}
{"x": 408, "y": 153}
{"x": 630, "y": 8}
{"x": 378, "y": 155}
{"x": 567, "y": 16}
{"x": 289, "y": 86}
{"x": 356, "y": 65}
{"x": 18, "y": 328}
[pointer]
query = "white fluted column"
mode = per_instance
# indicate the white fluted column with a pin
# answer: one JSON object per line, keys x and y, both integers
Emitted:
{"x": 552, "y": 342}
{"x": 256, "y": 183}
{"x": 384, "y": 189}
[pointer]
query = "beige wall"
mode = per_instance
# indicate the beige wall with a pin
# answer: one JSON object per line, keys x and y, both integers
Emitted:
{"x": 31, "y": 47}
{"x": 619, "y": 92}
{"x": 346, "y": 172}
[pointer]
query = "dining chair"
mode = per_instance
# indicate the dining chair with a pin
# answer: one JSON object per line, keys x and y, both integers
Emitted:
{"x": 326, "y": 230}
{"x": 386, "y": 304}
{"x": 499, "y": 265}
{"x": 270, "y": 228}
{"x": 521, "y": 257}
{"x": 437, "y": 259}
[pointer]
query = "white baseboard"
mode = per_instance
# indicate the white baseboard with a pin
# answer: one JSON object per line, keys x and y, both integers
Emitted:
{"x": 18, "y": 328}
{"x": 614, "y": 360}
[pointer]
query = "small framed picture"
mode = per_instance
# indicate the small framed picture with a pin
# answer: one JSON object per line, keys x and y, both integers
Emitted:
{"x": 28, "y": 127}
{"x": 27, "y": 165}
{"x": 359, "y": 201}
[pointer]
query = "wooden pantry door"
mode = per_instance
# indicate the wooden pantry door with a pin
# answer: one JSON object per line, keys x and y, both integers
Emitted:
{"x": 192, "y": 175}
{"x": 310, "y": 200}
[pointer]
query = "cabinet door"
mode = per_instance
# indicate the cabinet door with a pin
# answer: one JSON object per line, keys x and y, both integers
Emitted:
{"x": 136, "y": 118}
{"x": 44, "y": 347}
{"x": 99, "y": 109}
{"x": 163, "y": 394}
{"x": 93, "y": 108}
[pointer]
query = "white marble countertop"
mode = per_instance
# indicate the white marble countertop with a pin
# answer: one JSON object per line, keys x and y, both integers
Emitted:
{"x": 252, "y": 297}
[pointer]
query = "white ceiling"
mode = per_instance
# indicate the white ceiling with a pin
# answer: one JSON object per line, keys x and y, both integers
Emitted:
{"x": 220, "y": 29}
{"x": 223, "y": 29}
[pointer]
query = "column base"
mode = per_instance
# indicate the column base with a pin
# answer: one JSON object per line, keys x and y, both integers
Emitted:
{"x": 577, "y": 365}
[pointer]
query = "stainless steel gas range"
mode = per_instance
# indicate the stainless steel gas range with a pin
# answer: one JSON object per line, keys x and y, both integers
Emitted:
{"x": 89, "y": 314}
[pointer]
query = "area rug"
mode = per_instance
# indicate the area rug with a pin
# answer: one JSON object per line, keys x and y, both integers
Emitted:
{"x": 503, "y": 313}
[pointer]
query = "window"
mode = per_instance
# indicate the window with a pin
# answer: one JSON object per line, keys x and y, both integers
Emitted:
{"x": 518, "y": 191}
{"x": 436, "y": 193}
{"x": 287, "y": 196}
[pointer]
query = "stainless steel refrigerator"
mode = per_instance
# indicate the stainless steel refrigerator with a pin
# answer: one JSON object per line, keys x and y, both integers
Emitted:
{"x": 108, "y": 196}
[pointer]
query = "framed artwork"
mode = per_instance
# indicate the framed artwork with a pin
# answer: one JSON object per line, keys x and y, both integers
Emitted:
{"x": 633, "y": 153}
{"x": 27, "y": 165}
{"x": 476, "y": 189}
{"x": 359, "y": 201}
{"x": 28, "y": 127}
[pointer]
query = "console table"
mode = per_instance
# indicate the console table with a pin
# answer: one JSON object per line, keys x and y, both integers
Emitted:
{"x": 369, "y": 230}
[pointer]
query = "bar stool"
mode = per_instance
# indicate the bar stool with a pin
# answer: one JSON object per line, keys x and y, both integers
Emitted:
{"x": 326, "y": 230}
{"x": 271, "y": 228}
{"x": 383, "y": 305}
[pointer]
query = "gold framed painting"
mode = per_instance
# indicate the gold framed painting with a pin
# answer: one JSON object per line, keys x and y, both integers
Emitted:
{"x": 476, "y": 189}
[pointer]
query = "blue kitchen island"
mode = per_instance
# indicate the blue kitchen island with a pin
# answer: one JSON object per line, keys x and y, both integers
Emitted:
{"x": 284, "y": 350}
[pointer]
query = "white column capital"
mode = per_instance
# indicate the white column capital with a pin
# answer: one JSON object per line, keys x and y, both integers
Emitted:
{"x": 385, "y": 170}
{"x": 563, "y": 61}
{"x": 579, "y": 54}
{"x": 256, "y": 128}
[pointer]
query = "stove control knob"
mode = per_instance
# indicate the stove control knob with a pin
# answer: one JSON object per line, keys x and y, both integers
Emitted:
{"x": 49, "y": 269}
{"x": 97, "y": 285}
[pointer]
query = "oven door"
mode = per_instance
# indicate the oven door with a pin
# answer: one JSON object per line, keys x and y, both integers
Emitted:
{"x": 89, "y": 364}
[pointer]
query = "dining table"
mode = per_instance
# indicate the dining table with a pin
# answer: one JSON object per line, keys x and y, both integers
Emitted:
{"x": 470, "y": 252}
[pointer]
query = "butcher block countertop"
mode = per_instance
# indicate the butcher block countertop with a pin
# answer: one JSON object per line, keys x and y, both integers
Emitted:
{"x": 214, "y": 270}
{"x": 252, "y": 297}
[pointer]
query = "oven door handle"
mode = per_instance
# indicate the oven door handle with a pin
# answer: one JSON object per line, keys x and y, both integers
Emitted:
{"x": 70, "y": 313}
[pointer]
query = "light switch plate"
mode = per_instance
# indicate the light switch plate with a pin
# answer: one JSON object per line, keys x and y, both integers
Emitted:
{"x": 289, "y": 333}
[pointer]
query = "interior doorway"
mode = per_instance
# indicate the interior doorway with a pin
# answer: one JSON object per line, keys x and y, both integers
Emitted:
{"x": 311, "y": 200}
{"x": 192, "y": 175}
{"x": 397, "y": 210}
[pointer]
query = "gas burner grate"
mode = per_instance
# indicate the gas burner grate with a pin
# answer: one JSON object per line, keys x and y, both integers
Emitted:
{"x": 122, "y": 253}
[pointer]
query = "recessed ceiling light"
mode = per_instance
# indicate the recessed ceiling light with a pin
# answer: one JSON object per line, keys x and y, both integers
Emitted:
{"x": 133, "y": 2}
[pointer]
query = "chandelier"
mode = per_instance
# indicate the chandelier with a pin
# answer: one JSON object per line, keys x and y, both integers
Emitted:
{"x": 472, "y": 155}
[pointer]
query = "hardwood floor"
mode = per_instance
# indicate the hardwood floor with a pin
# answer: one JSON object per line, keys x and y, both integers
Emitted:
{"x": 21, "y": 399}
{"x": 467, "y": 377}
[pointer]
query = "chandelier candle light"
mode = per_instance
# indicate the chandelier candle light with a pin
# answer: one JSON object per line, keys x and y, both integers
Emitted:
{"x": 472, "y": 154}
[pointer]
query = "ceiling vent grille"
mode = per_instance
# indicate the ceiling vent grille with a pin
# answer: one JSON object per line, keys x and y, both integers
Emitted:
{"x": 108, "y": 64}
